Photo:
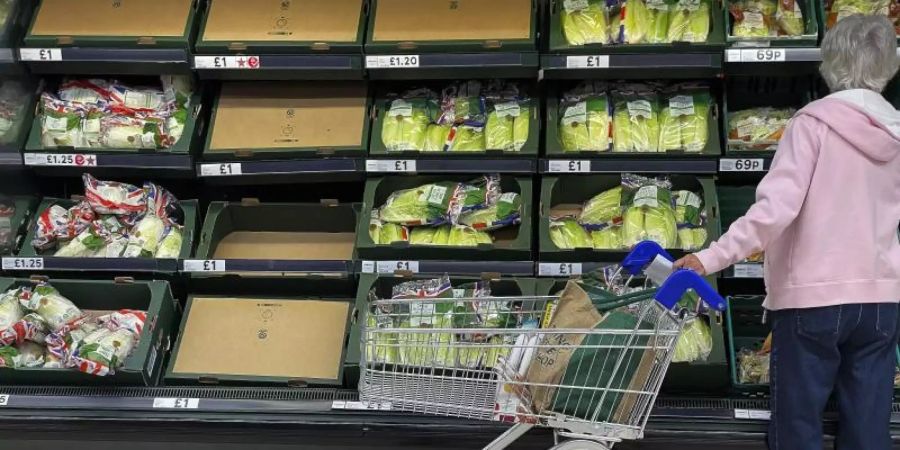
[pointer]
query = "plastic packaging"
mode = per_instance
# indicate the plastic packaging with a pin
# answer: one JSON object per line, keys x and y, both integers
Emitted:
{"x": 567, "y": 233}
{"x": 585, "y": 22}
{"x": 609, "y": 238}
{"x": 635, "y": 120}
{"x": 649, "y": 214}
{"x": 689, "y": 21}
{"x": 684, "y": 120}
{"x": 789, "y": 18}
{"x": 753, "y": 18}
{"x": 406, "y": 122}
{"x": 758, "y": 128}
{"x": 55, "y": 310}
{"x": 695, "y": 342}
{"x": 602, "y": 209}
{"x": 505, "y": 212}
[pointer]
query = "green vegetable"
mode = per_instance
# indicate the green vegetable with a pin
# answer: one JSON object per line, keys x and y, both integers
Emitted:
{"x": 689, "y": 21}
{"x": 636, "y": 122}
{"x": 391, "y": 232}
{"x": 659, "y": 23}
{"x": 633, "y": 227}
{"x": 424, "y": 205}
{"x": 170, "y": 247}
{"x": 468, "y": 139}
{"x": 109, "y": 348}
{"x": 684, "y": 120}
{"x": 660, "y": 227}
{"x": 145, "y": 237}
{"x": 586, "y": 26}
{"x": 567, "y": 234}
{"x": 789, "y": 18}
{"x": 637, "y": 22}
{"x": 691, "y": 239}
{"x": 584, "y": 125}
{"x": 688, "y": 207}
{"x": 435, "y": 138}
{"x": 441, "y": 235}
{"x": 521, "y": 129}
{"x": 10, "y": 310}
{"x": 506, "y": 211}
{"x": 463, "y": 236}
{"x": 602, "y": 209}
{"x": 384, "y": 347}
{"x": 753, "y": 18}
{"x": 695, "y": 342}
{"x": 84, "y": 245}
{"x": 609, "y": 238}
{"x": 405, "y": 124}
{"x": 422, "y": 235}
{"x": 56, "y": 310}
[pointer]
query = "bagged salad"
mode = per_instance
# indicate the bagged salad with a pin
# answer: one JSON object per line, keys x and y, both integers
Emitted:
{"x": 585, "y": 123}
{"x": 585, "y": 22}
{"x": 636, "y": 119}
{"x": 758, "y": 128}
{"x": 689, "y": 21}
{"x": 684, "y": 119}
{"x": 649, "y": 214}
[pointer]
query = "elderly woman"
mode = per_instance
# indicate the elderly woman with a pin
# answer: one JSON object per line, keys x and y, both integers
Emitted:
{"x": 827, "y": 216}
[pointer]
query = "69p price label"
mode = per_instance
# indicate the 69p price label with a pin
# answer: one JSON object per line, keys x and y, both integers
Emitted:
{"x": 764, "y": 55}
{"x": 742, "y": 165}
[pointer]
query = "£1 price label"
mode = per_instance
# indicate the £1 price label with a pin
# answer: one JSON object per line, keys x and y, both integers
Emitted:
{"x": 176, "y": 403}
{"x": 569, "y": 166}
{"x": 392, "y": 62}
{"x": 742, "y": 165}
{"x": 23, "y": 263}
{"x": 389, "y": 267}
{"x": 227, "y": 62}
{"x": 40, "y": 54}
{"x": 587, "y": 62}
{"x": 559, "y": 269}
{"x": 221, "y": 170}
{"x": 387, "y": 165}
{"x": 204, "y": 265}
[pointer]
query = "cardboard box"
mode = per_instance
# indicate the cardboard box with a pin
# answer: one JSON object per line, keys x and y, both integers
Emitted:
{"x": 285, "y": 118}
{"x": 295, "y": 341}
{"x": 453, "y": 25}
{"x": 165, "y": 23}
{"x": 311, "y": 25}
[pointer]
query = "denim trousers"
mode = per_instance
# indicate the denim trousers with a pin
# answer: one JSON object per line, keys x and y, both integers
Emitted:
{"x": 845, "y": 350}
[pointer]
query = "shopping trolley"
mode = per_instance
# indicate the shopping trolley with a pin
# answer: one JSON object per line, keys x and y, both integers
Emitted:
{"x": 507, "y": 359}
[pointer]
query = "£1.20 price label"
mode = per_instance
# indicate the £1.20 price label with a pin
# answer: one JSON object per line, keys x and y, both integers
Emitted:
{"x": 392, "y": 62}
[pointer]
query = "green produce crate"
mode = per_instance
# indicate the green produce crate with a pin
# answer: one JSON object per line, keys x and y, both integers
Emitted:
{"x": 734, "y": 201}
{"x": 53, "y": 24}
{"x": 18, "y": 223}
{"x": 714, "y": 42}
{"x": 700, "y": 376}
{"x": 755, "y": 92}
{"x": 577, "y": 189}
{"x": 13, "y": 24}
{"x": 409, "y": 23}
{"x": 191, "y": 137}
{"x": 554, "y": 146}
{"x": 190, "y": 225}
{"x": 144, "y": 366}
{"x": 510, "y": 287}
{"x": 745, "y": 330}
{"x": 530, "y": 149}
{"x": 287, "y": 131}
{"x": 275, "y": 26}
{"x": 809, "y": 38}
{"x": 267, "y": 329}
{"x": 513, "y": 243}
{"x": 14, "y": 140}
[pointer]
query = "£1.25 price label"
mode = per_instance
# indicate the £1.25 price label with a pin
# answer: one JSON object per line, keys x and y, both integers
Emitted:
{"x": 742, "y": 165}
{"x": 60, "y": 159}
{"x": 23, "y": 263}
{"x": 392, "y": 62}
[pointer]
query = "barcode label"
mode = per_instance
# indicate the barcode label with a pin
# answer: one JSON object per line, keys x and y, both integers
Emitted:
{"x": 748, "y": 271}
{"x": 752, "y": 414}
{"x": 361, "y": 406}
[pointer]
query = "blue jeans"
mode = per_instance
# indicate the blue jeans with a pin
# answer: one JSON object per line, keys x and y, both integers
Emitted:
{"x": 848, "y": 349}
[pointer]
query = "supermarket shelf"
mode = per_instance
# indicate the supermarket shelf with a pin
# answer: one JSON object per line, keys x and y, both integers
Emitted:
{"x": 119, "y": 265}
{"x": 661, "y": 164}
{"x": 648, "y": 65}
{"x": 281, "y": 171}
{"x": 279, "y": 67}
{"x": 266, "y": 266}
{"x": 163, "y": 165}
{"x": 452, "y": 65}
{"x": 105, "y": 61}
{"x": 477, "y": 268}
{"x": 11, "y": 160}
{"x": 451, "y": 165}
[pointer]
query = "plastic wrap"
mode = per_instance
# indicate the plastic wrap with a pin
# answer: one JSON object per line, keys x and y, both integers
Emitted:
{"x": 684, "y": 120}
{"x": 636, "y": 120}
{"x": 753, "y": 18}
{"x": 585, "y": 22}
{"x": 609, "y": 238}
{"x": 758, "y": 128}
{"x": 567, "y": 234}
{"x": 505, "y": 212}
{"x": 689, "y": 21}
{"x": 789, "y": 18}
{"x": 406, "y": 123}
{"x": 602, "y": 209}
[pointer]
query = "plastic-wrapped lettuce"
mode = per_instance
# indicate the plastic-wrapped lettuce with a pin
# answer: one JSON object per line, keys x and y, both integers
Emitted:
{"x": 584, "y": 124}
{"x": 441, "y": 235}
{"x": 649, "y": 214}
{"x": 505, "y": 212}
{"x": 637, "y": 22}
{"x": 10, "y": 310}
{"x": 467, "y": 139}
{"x": 391, "y": 232}
{"x": 567, "y": 233}
{"x": 426, "y": 349}
{"x": 507, "y": 126}
{"x": 688, "y": 208}
{"x": 602, "y": 209}
{"x": 609, "y": 238}
{"x": 691, "y": 239}
{"x": 24, "y": 355}
{"x": 86, "y": 244}
{"x": 436, "y": 137}
{"x": 463, "y": 236}
{"x": 844, "y": 8}
{"x": 170, "y": 246}
{"x": 56, "y": 310}
{"x": 145, "y": 237}
{"x": 108, "y": 347}
{"x": 585, "y": 22}
{"x": 659, "y": 21}
{"x": 689, "y": 21}
{"x": 425, "y": 205}
{"x": 660, "y": 226}
{"x": 406, "y": 122}
{"x": 695, "y": 342}
{"x": 789, "y": 18}
{"x": 753, "y": 18}
{"x": 422, "y": 235}
{"x": 636, "y": 121}
{"x": 684, "y": 123}
{"x": 383, "y": 348}
{"x": 758, "y": 128}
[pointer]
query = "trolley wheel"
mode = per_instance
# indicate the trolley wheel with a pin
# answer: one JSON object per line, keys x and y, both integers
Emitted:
{"x": 581, "y": 445}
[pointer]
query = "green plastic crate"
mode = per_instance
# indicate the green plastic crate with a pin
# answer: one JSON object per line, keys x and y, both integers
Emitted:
{"x": 701, "y": 376}
{"x": 508, "y": 287}
{"x": 714, "y": 42}
{"x": 19, "y": 222}
{"x": 754, "y": 92}
{"x": 809, "y": 38}
{"x": 554, "y": 146}
{"x": 577, "y": 189}
{"x": 144, "y": 366}
{"x": 513, "y": 243}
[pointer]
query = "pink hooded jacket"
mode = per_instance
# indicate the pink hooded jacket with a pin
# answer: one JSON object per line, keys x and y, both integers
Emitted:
{"x": 828, "y": 211}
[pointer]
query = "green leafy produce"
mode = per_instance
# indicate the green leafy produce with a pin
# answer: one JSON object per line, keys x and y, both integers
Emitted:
{"x": 56, "y": 310}
{"x": 106, "y": 347}
{"x": 463, "y": 236}
{"x": 383, "y": 348}
{"x": 567, "y": 233}
{"x": 506, "y": 211}
{"x": 649, "y": 214}
{"x": 660, "y": 227}
{"x": 609, "y": 238}
{"x": 637, "y": 23}
{"x": 636, "y": 122}
{"x": 424, "y": 205}
{"x": 468, "y": 139}
{"x": 170, "y": 247}
{"x": 691, "y": 239}
{"x": 753, "y": 18}
{"x": 695, "y": 342}
{"x": 405, "y": 124}
{"x": 584, "y": 124}
{"x": 688, "y": 208}
{"x": 436, "y": 137}
{"x": 441, "y": 235}
{"x": 10, "y": 310}
{"x": 145, "y": 237}
{"x": 633, "y": 227}
{"x": 422, "y": 235}
{"x": 84, "y": 245}
{"x": 844, "y": 8}
{"x": 789, "y": 18}
{"x": 391, "y": 232}
{"x": 585, "y": 22}
{"x": 428, "y": 349}
{"x": 602, "y": 209}
{"x": 684, "y": 123}
{"x": 758, "y": 128}
{"x": 659, "y": 20}
{"x": 507, "y": 127}
{"x": 689, "y": 21}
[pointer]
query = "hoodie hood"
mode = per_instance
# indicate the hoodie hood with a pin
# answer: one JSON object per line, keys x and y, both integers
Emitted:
{"x": 863, "y": 118}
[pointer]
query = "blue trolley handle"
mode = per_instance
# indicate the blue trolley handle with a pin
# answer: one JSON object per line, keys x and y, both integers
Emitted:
{"x": 679, "y": 282}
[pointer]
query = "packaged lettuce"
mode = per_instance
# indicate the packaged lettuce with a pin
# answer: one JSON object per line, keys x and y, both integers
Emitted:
{"x": 609, "y": 238}
{"x": 649, "y": 214}
{"x": 584, "y": 124}
{"x": 567, "y": 233}
{"x": 753, "y": 18}
{"x": 660, "y": 226}
{"x": 10, "y": 310}
{"x": 86, "y": 244}
{"x": 789, "y": 18}
{"x": 636, "y": 120}
{"x": 758, "y": 128}
{"x": 422, "y": 235}
{"x": 56, "y": 310}
{"x": 689, "y": 21}
{"x": 425, "y": 205}
{"x": 688, "y": 208}
{"x": 109, "y": 348}
{"x": 695, "y": 342}
{"x": 505, "y": 212}
{"x": 507, "y": 126}
{"x": 462, "y": 104}
{"x": 441, "y": 235}
{"x": 463, "y": 236}
{"x": 637, "y": 22}
{"x": 170, "y": 246}
{"x": 658, "y": 11}
{"x": 464, "y": 138}
{"x": 633, "y": 227}
{"x": 691, "y": 239}
{"x": 839, "y": 9}
{"x": 602, "y": 209}
{"x": 684, "y": 121}
{"x": 145, "y": 237}
{"x": 384, "y": 348}
{"x": 585, "y": 22}
{"x": 406, "y": 121}
{"x": 23, "y": 355}
{"x": 60, "y": 122}
{"x": 436, "y": 137}
{"x": 391, "y": 232}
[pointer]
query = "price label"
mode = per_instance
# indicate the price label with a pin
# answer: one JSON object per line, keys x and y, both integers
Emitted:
{"x": 748, "y": 271}
{"x": 760, "y": 55}
{"x": 22, "y": 263}
{"x": 742, "y": 165}
{"x": 40, "y": 54}
{"x": 587, "y": 62}
{"x": 227, "y": 62}
{"x": 559, "y": 269}
{"x": 60, "y": 159}
{"x": 176, "y": 403}
{"x": 204, "y": 265}
{"x": 220, "y": 170}
{"x": 387, "y": 165}
{"x": 361, "y": 406}
{"x": 396, "y": 266}
{"x": 752, "y": 414}
{"x": 392, "y": 62}
{"x": 566, "y": 166}
{"x": 4, "y": 399}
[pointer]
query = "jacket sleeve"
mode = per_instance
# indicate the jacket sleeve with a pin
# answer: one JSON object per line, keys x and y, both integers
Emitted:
{"x": 779, "y": 197}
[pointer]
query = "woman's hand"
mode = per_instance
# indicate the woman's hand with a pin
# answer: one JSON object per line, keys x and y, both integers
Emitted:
{"x": 691, "y": 262}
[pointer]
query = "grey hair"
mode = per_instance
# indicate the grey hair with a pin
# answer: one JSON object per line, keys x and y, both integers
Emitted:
{"x": 860, "y": 52}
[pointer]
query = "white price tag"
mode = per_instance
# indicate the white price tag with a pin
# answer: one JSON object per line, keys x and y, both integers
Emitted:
{"x": 40, "y": 54}
{"x": 176, "y": 403}
{"x": 748, "y": 270}
{"x": 559, "y": 269}
{"x": 392, "y": 61}
{"x": 4, "y": 399}
{"x": 762, "y": 55}
{"x": 569, "y": 166}
{"x": 368, "y": 267}
{"x": 227, "y": 62}
{"x": 587, "y": 62}
{"x": 389, "y": 267}
{"x": 60, "y": 159}
{"x": 220, "y": 170}
{"x": 388, "y": 165}
{"x": 361, "y": 406}
{"x": 752, "y": 414}
{"x": 204, "y": 265}
{"x": 742, "y": 165}
{"x": 23, "y": 263}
